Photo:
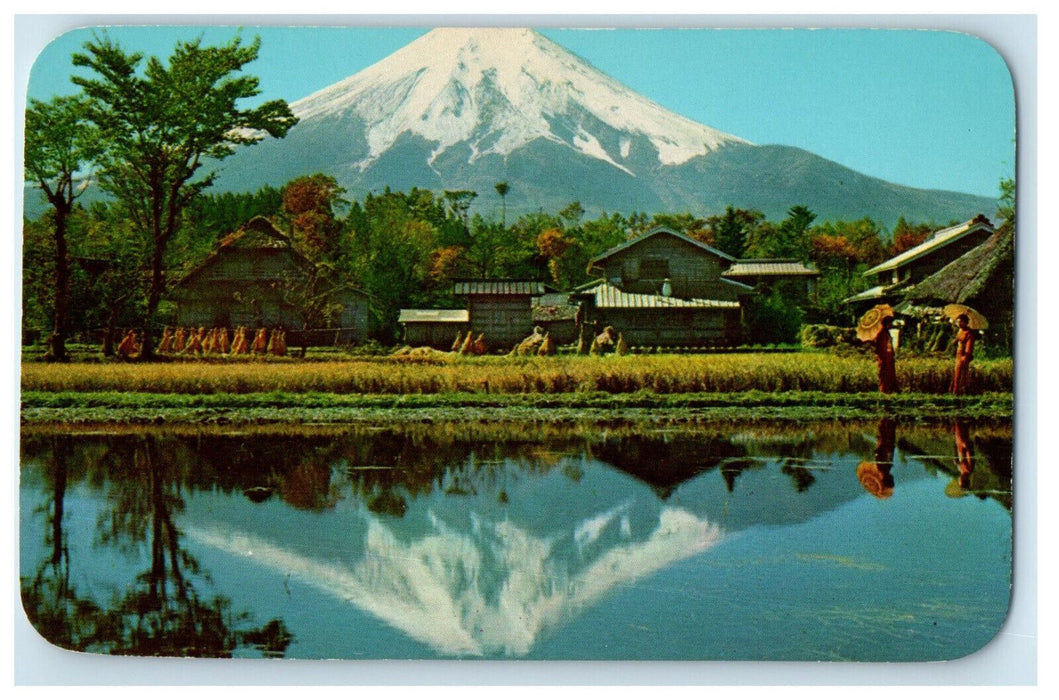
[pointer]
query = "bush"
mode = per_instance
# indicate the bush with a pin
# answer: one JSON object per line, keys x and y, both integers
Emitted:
{"x": 823, "y": 336}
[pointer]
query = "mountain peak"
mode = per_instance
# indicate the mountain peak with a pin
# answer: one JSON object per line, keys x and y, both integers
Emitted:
{"x": 496, "y": 90}
{"x": 466, "y": 108}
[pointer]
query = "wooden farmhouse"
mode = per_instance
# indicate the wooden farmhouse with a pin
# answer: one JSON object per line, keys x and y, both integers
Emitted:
{"x": 666, "y": 263}
{"x": 661, "y": 289}
{"x": 893, "y": 277}
{"x": 255, "y": 278}
{"x": 668, "y": 289}
{"x": 660, "y": 320}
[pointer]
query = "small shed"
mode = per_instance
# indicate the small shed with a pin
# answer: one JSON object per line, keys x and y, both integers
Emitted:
{"x": 256, "y": 278}
{"x": 436, "y": 328}
{"x": 501, "y": 309}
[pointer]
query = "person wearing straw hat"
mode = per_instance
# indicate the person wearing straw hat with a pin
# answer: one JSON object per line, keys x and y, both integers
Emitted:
{"x": 965, "y": 337}
{"x": 874, "y": 328}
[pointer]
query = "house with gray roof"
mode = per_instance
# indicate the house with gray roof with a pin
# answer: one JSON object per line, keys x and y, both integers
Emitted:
{"x": 893, "y": 277}
{"x": 665, "y": 288}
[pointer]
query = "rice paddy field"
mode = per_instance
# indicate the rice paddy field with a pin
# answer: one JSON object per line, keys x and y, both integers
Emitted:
{"x": 442, "y": 374}
{"x": 798, "y": 384}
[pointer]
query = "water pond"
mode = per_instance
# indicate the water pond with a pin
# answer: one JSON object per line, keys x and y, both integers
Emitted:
{"x": 714, "y": 541}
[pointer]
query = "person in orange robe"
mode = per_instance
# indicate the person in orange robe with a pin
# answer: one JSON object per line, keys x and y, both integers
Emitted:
{"x": 884, "y": 356}
{"x": 965, "y": 337}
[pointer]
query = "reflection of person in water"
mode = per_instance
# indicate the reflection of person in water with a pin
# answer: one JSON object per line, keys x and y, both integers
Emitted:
{"x": 964, "y": 454}
{"x": 875, "y": 476}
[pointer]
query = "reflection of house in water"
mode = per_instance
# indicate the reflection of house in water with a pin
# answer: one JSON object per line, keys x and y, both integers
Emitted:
{"x": 471, "y": 573}
{"x": 664, "y": 463}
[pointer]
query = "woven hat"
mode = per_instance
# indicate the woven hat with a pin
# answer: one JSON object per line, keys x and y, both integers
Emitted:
{"x": 975, "y": 320}
{"x": 871, "y": 322}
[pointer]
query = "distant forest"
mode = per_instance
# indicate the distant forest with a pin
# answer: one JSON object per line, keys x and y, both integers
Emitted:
{"x": 404, "y": 249}
{"x": 145, "y": 132}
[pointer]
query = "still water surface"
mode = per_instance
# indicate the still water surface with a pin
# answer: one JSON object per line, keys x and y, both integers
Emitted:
{"x": 468, "y": 540}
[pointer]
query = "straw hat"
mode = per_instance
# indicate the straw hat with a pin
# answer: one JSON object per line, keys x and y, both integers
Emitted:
{"x": 874, "y": 480}
{"x": 976, "y": 320}
{"x": 871, "y": 323}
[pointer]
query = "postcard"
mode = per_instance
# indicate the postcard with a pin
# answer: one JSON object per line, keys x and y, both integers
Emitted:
{"x": 518, "y": 343}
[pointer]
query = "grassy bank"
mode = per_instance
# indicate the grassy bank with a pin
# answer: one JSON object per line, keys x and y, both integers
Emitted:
{"x": 446, "y": 374}
{"x": 109, "y": 407}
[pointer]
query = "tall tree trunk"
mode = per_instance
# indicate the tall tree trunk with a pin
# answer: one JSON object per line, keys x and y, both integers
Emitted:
{"x": 153, "y": 298}
{"x": 57, "y": 340}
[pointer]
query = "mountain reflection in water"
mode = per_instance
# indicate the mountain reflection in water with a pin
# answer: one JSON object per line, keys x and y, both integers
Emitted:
{"x": 470, "y": 539}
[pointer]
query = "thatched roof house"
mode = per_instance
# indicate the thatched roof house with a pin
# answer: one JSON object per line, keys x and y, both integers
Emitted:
{"x": 983, "y": 278}
{"x": 252, "y": 278}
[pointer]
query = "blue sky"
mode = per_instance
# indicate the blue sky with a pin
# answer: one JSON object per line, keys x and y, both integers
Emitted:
{"x": 922, "y": 108}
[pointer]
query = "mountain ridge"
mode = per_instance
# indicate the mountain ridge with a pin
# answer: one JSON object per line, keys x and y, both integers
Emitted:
{"x": 464, "y": 109}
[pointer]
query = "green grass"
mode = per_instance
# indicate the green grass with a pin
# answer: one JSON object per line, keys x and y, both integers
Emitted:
{"x": 279, "y": 407}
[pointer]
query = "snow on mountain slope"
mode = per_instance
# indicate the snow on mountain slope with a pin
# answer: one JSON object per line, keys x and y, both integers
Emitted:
{"x": 496, "y": 90}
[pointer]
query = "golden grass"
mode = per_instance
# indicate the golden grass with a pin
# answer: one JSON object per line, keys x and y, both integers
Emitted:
{"x": 506, "y": 375}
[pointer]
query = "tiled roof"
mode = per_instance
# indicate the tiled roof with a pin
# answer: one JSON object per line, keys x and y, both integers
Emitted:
{"x": 499, "y": 287}
{"x": 937, "y": 240}
{"x": 434, "y": 316}
{"x": 608, "y": 296}
{"x": 769, "y": 268}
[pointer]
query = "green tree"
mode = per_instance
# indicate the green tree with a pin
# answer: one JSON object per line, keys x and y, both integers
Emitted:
{"x": 1006, "y": 210}
{"x": 733, "y": 229}
{"x": 59, "y": 145}
{"x": 162, "y": 123}
{"x": 908, "y": 235}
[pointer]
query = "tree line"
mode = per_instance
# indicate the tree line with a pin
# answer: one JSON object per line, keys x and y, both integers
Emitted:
{"x": 147, "y": 132}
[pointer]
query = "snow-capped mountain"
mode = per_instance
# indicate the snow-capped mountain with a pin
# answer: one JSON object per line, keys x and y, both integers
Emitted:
{"x": 497, "y": 90}
{"x": 467, "y": 108}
